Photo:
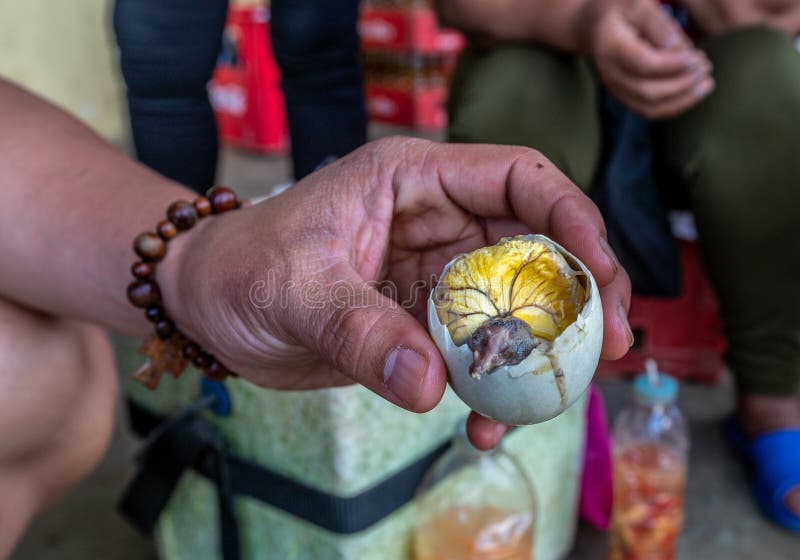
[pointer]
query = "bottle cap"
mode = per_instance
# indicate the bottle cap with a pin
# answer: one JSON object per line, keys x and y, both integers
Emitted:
{"x": 655, "y": 387}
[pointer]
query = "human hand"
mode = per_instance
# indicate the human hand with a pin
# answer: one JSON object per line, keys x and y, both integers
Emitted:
{"x": 284, "y": 292}
{"x": 717, "y": 16}
{"x": 645, "y": 59}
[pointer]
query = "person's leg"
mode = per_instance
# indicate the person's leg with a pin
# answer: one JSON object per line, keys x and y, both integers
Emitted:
{"x": 529, "y": 96}
{"x": 57, "y": 395}
{"x": 316, "y": 46}
{"x": 738, "y": 153}
{"x": 168, "y": 51}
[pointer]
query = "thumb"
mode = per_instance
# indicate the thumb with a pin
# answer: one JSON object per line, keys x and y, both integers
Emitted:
{"x": 370, "y": 338}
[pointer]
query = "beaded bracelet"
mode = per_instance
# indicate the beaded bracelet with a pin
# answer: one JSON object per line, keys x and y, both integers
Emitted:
{"x": 168, "y": 349}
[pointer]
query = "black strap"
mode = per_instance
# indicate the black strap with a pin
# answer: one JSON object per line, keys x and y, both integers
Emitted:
{"x": 189, "y": 448}
{"x": 181, "y": 442}
{"x": 229, "y": 528}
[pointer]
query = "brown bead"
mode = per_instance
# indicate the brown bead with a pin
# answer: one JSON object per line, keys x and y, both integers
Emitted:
{"x": 245, "y": 203}
{"x": 155, "y": 314}
{"x": 144, "y": 293}
{"x": 202, "y": 360}
{"x": 164, "y": 329}
{"x": 149, "y": 246}
{"x": 202, "y": 206}
{"x": 222, "y": 199}
{"x": 216, "y": 371}
{"x": 182, "y": 214}
{"x": 166, "y": 230}
{"x": 142, "y": 269}
{"x": 190, "y": 350}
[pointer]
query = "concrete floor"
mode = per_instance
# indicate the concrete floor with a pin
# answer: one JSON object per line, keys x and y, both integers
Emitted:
{"x": 721, "y": 519}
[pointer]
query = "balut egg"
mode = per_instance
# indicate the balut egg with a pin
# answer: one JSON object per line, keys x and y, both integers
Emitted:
{"x": 520, "y": 326}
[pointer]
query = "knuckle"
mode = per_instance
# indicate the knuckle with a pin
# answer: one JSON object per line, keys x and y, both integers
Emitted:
{"x": 530, "y": 157}
{"x": 348, "y": 332}
{"x": 398, "y": 144}
{"x": 337, "y": 336}
{"x": 534, "y": 155}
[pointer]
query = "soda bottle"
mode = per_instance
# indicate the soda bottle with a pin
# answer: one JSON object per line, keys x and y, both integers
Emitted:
{"x": 650, "y": 452}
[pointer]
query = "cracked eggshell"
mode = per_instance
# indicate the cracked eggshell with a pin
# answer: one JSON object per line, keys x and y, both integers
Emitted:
{"x": 531, "y": 391}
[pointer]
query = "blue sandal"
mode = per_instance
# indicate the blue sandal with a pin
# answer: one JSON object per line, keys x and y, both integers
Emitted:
{"x": 774, "y": 460}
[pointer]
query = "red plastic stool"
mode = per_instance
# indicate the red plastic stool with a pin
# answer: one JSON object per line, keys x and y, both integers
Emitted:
{"x": 683, "y": 334}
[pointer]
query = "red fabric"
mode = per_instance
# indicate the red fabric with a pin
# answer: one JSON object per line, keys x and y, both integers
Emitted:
{"x": 247, "y": 97}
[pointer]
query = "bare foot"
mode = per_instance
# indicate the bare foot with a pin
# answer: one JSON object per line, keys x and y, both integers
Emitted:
{"x": 759, "y": 414}
{"x": 792, "y": 500}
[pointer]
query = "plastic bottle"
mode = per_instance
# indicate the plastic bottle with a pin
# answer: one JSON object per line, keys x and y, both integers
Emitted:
{"x": 474, "y": 505}
{"x": 651, "y": 445}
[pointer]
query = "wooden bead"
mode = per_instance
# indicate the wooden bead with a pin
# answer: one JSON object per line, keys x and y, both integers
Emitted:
{"x": 202, "y": 360}
{"x": 142, "y": 270}
{"x": 155, "y": 314}
{"x": 216, "y": 371}
{"x": 222, "y": 199}
{"x": 149, "y": 246}
{"x": 182, "y": 214}
{"x": 144, "y": 293}
{"x": 202, "y": 206}
{"x": 190, "y": 350}
{"x": 166, "y": 230}
{"x": 164, "y": 329}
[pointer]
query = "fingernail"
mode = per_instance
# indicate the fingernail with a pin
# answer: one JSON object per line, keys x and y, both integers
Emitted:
{"x": 703, "y": 88}
{"x": 673, "y": 40}
{"x": 623, "y": 317}
{"x": 404, "y": 373}
{"x": 692, "y": 60}
{"x": 699, "y": 77}
{"x": 612, "y": 258}
{"x": 499, "y": 431}
{"x": 703, "y": 68}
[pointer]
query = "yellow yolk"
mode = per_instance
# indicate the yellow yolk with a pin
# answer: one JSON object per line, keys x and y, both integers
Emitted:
{"x": 526, "y": 279}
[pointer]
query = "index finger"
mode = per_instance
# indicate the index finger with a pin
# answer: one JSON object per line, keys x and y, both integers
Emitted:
{"x": 514, "y": 182}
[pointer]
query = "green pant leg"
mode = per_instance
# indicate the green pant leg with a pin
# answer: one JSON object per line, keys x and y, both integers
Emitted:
{"x": 528, "y": 96}
{"x": 739, "y": 153}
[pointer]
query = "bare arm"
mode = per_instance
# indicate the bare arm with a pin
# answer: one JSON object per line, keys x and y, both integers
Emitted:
{"x": 70, "y": 206}
{"x": 558, "y": 24}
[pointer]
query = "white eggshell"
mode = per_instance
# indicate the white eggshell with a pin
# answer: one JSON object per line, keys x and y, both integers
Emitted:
{"x": 529, "y": 392}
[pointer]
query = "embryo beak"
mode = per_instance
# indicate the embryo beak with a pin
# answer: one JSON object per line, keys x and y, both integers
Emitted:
{"x": 500, "y": 341}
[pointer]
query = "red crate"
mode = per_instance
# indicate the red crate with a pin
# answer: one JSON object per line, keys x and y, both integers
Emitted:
{"x": 414, "y": 30}
{"x": 421, "y": 108}
{"x": 245, "y": 89}
{"x": 684, "y": 335}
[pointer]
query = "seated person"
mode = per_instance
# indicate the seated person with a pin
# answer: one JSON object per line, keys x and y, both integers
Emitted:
{"x": 723, "y": 106}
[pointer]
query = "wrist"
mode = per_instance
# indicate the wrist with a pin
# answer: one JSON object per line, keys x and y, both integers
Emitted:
{"x": 179, "y": 291}
{"x": 157, "y": 287}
